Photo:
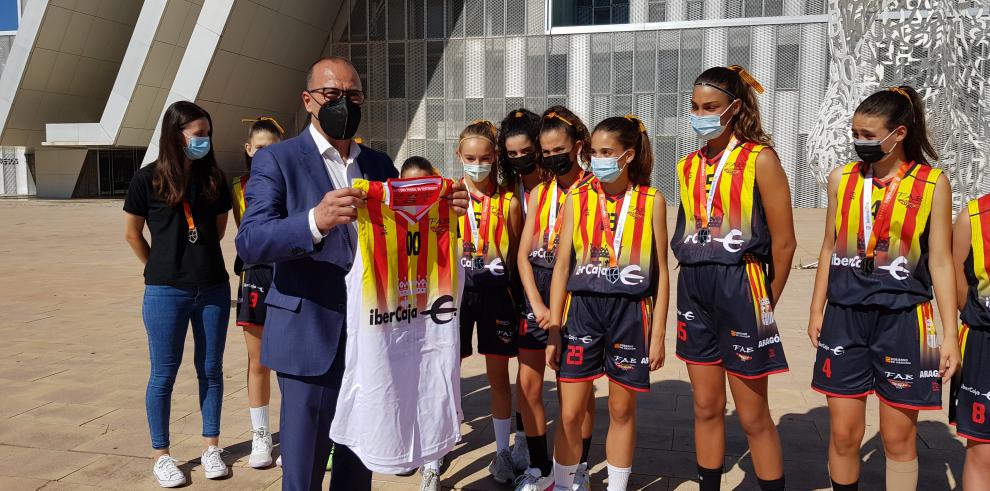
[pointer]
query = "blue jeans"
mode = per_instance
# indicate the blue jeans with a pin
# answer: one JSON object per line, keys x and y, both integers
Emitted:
{"x": 167, "y": 312}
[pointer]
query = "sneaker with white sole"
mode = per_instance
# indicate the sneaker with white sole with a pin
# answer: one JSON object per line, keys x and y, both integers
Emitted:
{"x": 261, "y": 448}
{"x": 581, "y": 480}
{"x": 213, "y": 465}
{"x": 278, "y": 461}
{"x": 431, "y": 480}
{"x": 531, "y": 480}
{"x": 520, "y": 455}
{"x": 501, "y": 467}
{"x": 167, "y": 473}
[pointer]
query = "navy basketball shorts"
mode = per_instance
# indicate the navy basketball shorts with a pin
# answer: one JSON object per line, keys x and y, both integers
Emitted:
{"x": 606, "y": 335}
{"x": 892, "y": 353}
{"x": 254, "y": 285}
{"x": 494, "y": 313}
{"x": 970, "y": 394}
{"x": 724, "y": 318}
{"x": 531, "y": 335}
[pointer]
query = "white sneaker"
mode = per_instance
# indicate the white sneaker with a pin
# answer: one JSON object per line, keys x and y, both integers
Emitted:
{"x": 501, "y": 467}
{"x": 261, "y": 449}
{"x": 581, "y": 480}
{"x": 520, "y": 455}
{"x": 167, "y": 473}
{"x": 531, "y": 480}
{"x": 213, "y": 465}
{"x": 431, "y": 480}
{"x": 278, "y": 461}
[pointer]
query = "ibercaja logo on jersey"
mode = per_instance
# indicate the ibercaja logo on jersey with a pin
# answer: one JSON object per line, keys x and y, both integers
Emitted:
{"x": 442, "y": 311}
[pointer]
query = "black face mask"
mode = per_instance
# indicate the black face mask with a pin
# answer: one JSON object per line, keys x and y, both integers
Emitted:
{"x": 523, "y": 165}
{"x": 340, "y": 119}
{"x": 869, "y": 152}
{"x": 559, "y": 164}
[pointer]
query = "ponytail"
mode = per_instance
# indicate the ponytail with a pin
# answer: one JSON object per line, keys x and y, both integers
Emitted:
{"x": 631, "y": 133}
{"x": 903, "y": 106}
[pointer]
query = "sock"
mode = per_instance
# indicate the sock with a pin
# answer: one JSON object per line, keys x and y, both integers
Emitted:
{"x": 538, "y": 456}
{"x": 585, "y": 448}
{"x": 902, "y": 475}
{"x": 563, "y": 476}
{"x": 771, "y": 484}
{"x": 433, "y": 465}
{"x": 618, "y": 477}
{"x": 854, "y": 486}
{"x": 259, "y": 417}
{"x": 709, "y": 479}
{"x": 502, "y": 427}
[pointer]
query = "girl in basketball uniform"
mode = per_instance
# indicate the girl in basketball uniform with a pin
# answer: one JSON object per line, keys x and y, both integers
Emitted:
{"x": 489, "y": 234}
{"x": 255, "y": 279}
{"x": 968, "y": 402}
{"x": 519, "y": 150}
{"x": 734, "y": 241}
{"x": 608, "y": 295}
{"x": 887, "y": 244}
{"x": 565, "y": 144}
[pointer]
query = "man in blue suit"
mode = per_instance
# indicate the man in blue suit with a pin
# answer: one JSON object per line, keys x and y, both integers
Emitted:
{"x": 300, "y": 209}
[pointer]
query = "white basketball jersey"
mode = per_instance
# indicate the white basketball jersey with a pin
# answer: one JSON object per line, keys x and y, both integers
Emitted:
{"x": 400, "y": 396}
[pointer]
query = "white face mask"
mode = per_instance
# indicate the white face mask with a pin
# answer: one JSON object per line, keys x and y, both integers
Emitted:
{"x": 478, "y": 171}
{"x": 607, "y": 169}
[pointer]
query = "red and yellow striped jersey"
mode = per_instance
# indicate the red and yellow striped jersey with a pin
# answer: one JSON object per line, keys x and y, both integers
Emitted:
{"x": 899, "y": 277}
{"x": 976, "y": 312}
{"x": 549, "y": 210}
{"x": 632, "y": 272}
{"x": 738, "y": 225}
{"x": 408, "y": 252}
{"x": 483, "y": 252}
{"x": 237, "y": 192}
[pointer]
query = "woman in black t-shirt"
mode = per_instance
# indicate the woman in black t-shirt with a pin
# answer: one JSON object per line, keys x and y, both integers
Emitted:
{"x": 184, "y": 199}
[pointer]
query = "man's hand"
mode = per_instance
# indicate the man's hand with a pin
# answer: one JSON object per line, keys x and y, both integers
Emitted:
{"x": 459, "y": 199}
{"x": 337, "y": 207}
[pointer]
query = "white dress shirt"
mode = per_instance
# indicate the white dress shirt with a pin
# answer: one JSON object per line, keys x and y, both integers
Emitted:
{"x": 337, "y": 169}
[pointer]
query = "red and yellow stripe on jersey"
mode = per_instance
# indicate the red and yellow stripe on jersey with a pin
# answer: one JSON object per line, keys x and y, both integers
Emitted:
{"x": 592, "y": 271}
{"x": 484, "y": 252}
{"x": 976, "y": 312}
{"x": 738, "y": 224}
{"x": 409, "y": 252}
{"x": 549, "y": 198}
{"x": 900, "y": 278}
{"x": 240, "y": 184}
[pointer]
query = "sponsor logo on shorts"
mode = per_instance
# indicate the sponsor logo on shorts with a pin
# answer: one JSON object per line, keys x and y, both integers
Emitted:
{"x": 628, "y": 275}
{"x": 899, "y": 380}
{"x": 583, "y": 339}
{"x": 626, "y": 364}
{"x": 837, "y": 350}
{"x": 896, "y": 361}
{"x": 930, "y": 335}
{"x": 688, "y": 316}
{"x": 975, "y": 392}
{"x": 929, "y": 374}
{"x": 252, "y": 286}
{"x": 775, "y": 339}
{"x": 743, "y": 357}
{"x": 503, "y": 331}
{"x": 772, "y": 353}
{"x": 739, "y": 334}
{"x": 742, "y": 349}
{"x": 936, "y": 387}
{"x": 766, "y": 312}
{"x": 624, "y": 347}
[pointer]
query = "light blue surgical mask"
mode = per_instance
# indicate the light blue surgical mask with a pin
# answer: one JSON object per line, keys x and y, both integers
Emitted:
{"x": 709, "y": 126}
{"x": 477, "y": 172}
{"x": 198, "y": 147}
{"x": 607, "y": 169}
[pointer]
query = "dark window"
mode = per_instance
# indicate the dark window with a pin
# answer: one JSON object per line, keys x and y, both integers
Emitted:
{"x": 589, "y": 12}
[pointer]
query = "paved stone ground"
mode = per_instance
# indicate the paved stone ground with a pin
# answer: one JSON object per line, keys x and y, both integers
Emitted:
{"x": 74, "y": 363}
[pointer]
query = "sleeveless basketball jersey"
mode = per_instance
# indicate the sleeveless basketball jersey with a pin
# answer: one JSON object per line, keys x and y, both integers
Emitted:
{"x": 595, "y": 271}
{"x": 400, "y": 396}
{"x": 898, "y": 275}
{"x": 549, "y": 210}
{"x": 738, "y": 225}
{"x": 483, "y": 252}
{"x": 240, "y": 184}
{"x": 976, "y": 312}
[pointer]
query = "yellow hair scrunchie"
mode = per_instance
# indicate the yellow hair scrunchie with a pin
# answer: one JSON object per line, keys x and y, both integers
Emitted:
{"x": 553, "y": 114}
{"x": 281, "y": 131}
{"x": 747, "y": 77}
{"x": 634, "y": 119}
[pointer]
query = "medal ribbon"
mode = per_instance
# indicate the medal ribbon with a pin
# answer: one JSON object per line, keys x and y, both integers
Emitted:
{"x": 552, "y": 224}
{"x": 613, "y": 240}
{"x": 480, "y": 228}
{"x": 702, "y": 193}
{"x": 193, "y": 234}
{"x": 885, "y": 206}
